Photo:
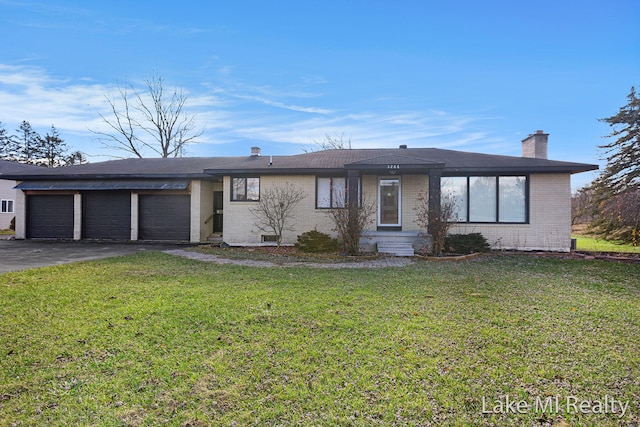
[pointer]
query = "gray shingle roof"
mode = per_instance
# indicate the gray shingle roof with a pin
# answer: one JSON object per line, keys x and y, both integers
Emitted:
{"x": 185, "y": 167}
{"x": 7, "y": 167}
{"x": 314, "y": 162}
{"x": 454, "y": 161}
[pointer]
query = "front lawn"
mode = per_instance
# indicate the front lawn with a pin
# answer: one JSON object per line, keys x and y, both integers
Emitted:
{"x": 591, "y": 244}
{"x": 154, "y": 339}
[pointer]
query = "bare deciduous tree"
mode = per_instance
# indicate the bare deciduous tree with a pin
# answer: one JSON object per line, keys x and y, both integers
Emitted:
{"x": 328, "y": 142}
{"x": 582, "y": 206}
{"x": 148, "y": 122}
{"x": 435, "y": 224}
{"x": 351, "y": 221}
{"x": 274, "y": 210}
{"x": 618, "y": 217}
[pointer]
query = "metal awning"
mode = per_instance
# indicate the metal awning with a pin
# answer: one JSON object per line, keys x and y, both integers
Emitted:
{"x": 86, "y": 185}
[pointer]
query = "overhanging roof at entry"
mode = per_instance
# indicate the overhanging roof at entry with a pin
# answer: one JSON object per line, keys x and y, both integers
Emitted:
{"x": 87, "y": 185}
{"x": 396, "y": 162}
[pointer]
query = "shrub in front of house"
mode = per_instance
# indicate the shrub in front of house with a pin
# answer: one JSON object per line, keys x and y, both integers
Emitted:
{"x": 315, "y": 241}
{"x": 466, "y": 243}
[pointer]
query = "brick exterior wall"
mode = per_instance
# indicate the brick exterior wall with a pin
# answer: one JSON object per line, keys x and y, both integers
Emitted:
{"x": 239, "y": 223}
{"x": 201, "y": 209}
{"x": 549, "y": 209}
{"x": 549, "y": 227}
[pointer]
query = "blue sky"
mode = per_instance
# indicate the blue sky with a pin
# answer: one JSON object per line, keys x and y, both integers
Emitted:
{"x": 465, "y": 75}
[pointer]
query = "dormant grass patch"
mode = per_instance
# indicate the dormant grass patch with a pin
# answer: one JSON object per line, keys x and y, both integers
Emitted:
{"x": 155, "y": 339}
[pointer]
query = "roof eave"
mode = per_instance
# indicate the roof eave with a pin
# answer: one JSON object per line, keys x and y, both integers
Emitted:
{"x": 528, "y": 170}
{"x": 274, "y": 171}
{"x": 104, "y": 176}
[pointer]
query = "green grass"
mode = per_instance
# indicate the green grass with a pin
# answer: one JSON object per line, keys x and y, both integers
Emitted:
{"x": 7, "y": 231}
{"x": 586, "y": 243}
{"x": 153, "y": 339}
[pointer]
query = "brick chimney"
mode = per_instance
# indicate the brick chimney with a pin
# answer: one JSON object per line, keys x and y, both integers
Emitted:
{"x": 255, "y": 151}
{"x": 535, "y": 145}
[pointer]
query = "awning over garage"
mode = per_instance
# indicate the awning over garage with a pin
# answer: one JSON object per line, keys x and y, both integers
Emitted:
{"x": 80, "y": 185}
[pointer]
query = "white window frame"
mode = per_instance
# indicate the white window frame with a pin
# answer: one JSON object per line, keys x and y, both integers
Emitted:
{"x": 5, "y": 204}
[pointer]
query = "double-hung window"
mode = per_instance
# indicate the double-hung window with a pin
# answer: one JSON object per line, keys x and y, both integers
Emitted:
{"x": 487, "y": 199}
{"x": 7, "y": 206}
{"x": 245, "y": 189}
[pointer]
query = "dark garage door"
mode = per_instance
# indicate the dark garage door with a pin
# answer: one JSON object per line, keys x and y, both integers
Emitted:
{"x": 106, "y": 215}
{"x": 50, "y": 217}
{"x": 164, "y": 217}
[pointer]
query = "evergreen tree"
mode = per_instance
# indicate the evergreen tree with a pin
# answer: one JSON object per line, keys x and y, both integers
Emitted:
{"x": 75, "y": 158}
{"x": 30, "y": 149}
{"x": 616, "y": 192}
{"x": 623, "y": 155}
{"x": 53, "y": 148}
{"x": 7, "y": 145}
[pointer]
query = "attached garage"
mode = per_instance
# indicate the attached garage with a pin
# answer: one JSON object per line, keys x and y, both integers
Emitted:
{"x": 50, "y": 216}
{"x": 106, "y": 215}
{"x": 164, "y": 217}
{"x": 110, "y": 209}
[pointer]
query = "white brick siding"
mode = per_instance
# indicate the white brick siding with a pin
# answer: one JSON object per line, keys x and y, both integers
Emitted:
{"x": 549, "y": 225}
{"x": 239, "y": 223}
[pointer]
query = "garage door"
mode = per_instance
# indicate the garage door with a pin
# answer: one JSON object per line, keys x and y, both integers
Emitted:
{"x": 164, "y": 217}
{"x": 50, "y": 217}
{"x": 106, "y": 215}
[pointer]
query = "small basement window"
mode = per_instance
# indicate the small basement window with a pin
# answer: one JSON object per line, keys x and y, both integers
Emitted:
{"x": 268, "y": 238}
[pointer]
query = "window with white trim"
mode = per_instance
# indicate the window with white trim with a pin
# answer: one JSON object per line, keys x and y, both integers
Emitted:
{"x": 6, "y": 206}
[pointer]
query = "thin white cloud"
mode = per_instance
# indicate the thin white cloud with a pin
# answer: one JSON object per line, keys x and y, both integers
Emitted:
{"x": 29, "y": 93}
{"x": 273, "y": 103}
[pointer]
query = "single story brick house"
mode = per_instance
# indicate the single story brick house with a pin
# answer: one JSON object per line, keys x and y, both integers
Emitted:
{"x": 515, "y": 202}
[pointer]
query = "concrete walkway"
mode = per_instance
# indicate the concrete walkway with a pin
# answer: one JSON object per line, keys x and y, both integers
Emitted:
{"x": 371, "y": 263}
{"x": 18, "y": 255}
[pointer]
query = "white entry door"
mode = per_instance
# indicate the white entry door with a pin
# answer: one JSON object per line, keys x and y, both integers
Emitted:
{"x": 389, "y": 206}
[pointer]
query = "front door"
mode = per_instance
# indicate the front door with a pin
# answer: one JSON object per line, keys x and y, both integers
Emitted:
{"x": 217, "y": 211}
{"x": 389, "y": 207}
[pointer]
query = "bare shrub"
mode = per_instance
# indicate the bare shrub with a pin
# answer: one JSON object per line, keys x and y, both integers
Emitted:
{"x": 274, "y": 210}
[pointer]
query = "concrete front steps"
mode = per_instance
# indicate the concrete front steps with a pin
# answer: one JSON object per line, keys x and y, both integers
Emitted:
{"x": 396, "y": 248}
{"x": 214, "y": 238}
{"x": 398, "y": 243}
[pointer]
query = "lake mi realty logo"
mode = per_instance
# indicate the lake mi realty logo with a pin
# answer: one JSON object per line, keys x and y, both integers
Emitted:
{"x": 555, "y": 404}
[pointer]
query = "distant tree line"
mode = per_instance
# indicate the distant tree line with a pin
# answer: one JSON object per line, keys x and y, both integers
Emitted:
{"x": 29, "y": 147}
{"x": 610, "y": 205}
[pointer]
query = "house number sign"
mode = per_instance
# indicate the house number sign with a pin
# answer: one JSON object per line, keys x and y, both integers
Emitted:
{"x": 393, "y": 166}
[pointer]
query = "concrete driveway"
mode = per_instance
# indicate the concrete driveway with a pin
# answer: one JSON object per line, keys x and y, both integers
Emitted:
{"x": 23, "y": 254}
